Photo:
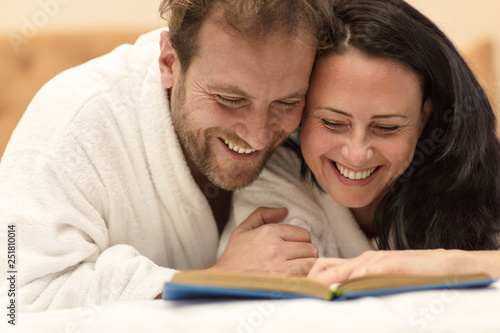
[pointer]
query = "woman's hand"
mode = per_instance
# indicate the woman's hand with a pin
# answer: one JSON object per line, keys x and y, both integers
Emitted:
{"x": 408, "y": 262}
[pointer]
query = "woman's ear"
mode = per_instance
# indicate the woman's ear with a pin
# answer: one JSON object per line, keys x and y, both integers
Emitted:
{"x": 426, "y": 113}
{"x": 168, "y": 58}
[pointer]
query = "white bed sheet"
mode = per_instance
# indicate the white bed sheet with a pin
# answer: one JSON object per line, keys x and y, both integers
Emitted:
{"x": 453, "y": 311}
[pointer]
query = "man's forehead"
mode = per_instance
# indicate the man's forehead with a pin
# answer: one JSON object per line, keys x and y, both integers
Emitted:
{"x": 213, "y": 27}
{"x": 276, "y": 68}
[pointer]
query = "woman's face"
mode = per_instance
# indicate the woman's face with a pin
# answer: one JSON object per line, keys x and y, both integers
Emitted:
{"x": 361, "y": 125}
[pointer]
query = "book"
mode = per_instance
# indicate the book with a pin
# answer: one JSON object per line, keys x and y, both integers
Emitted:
{"x": 202, "y": 284}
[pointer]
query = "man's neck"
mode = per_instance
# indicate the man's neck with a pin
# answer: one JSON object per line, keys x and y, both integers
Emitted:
{"x": 218, "y": 199}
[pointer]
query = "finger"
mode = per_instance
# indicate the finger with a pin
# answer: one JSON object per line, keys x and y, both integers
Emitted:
{"x": 327, "y": 277}
{"x": 336, "y": 270}
{"x": 261, "y": 216}
{"x": 386, "y": 262}
{"x": 323, "y": 264}
{"x": 367, "y": 263}
{"x": 292, "y": 233}
{"x": 298, "y": 250}
{"x": 299, "y": 267}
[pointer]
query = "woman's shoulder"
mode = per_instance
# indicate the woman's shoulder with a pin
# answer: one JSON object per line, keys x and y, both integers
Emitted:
{"x": 284, "y": 162}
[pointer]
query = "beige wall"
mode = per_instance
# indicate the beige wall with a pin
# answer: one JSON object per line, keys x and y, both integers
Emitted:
{"x": 467, "y": 22}
{"x": 463, "y": 20}
{"x": 75, "y": 14}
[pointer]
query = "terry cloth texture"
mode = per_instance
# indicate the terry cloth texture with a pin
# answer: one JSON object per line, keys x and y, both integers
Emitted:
{"x": 94, "y": 180}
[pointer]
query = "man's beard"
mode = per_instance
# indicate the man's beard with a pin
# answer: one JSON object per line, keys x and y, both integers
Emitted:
{"x": 195, "y": 142}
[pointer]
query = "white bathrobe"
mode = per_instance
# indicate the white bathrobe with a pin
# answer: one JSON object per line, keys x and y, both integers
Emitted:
{"x": 332, "y": 227}
{"x": 94, "y": 180}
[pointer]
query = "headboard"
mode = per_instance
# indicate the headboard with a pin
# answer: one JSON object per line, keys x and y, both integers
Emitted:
{"x": 26, "y": 64}
{"x": 32, "y": 62}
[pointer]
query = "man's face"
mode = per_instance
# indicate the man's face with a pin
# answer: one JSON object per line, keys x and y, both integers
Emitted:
{"x": 238, "y": 100}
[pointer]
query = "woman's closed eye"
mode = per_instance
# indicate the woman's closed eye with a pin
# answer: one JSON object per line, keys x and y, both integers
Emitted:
{"x": 340, "y": 126}
{"x": 334, "y": 125}
{"x": 387, "y": 129}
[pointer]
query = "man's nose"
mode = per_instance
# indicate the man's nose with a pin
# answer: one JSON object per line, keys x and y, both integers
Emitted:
{"x": 257, "y": 127}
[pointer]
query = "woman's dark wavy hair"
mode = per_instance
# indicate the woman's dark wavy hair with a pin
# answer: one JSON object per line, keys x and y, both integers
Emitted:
{"x": 449, "y": 197}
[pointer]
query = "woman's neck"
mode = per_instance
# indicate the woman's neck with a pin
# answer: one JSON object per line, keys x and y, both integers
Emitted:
{"x": 364, "y": 216}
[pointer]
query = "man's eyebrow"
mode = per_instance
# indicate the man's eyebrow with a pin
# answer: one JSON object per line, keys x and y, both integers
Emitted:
{"x": 233, "y": 90}
{"x": 382, "y": 116}
{"x": 227, "y": 89}
{"x": 296, "y": 95}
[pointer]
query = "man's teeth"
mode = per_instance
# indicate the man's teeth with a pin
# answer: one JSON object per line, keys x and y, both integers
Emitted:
{"x": 238, "y": 149}
{"x": 354, "y": 175}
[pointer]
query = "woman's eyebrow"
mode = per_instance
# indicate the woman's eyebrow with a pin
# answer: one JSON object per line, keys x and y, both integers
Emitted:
{"x": 382, "y": 116}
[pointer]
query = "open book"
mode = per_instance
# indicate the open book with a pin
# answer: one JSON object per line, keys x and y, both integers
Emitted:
{"x": 201, "y": 284}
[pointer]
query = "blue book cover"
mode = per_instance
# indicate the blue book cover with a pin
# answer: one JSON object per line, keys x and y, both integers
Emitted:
{"x": 203, "y": 285}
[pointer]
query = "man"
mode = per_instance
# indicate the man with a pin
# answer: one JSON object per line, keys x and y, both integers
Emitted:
{"x": 121, "y": 171}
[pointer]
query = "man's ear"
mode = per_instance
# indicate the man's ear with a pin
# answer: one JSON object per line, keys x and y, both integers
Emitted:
{"x": 168, "y": 59}
{"x": 426, "y": 113}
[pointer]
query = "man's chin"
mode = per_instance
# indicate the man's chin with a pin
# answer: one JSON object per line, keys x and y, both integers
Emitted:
{"x": 233, "y": 185}
{"x": 235, "y": 175}
{"x": 232, "y": 181}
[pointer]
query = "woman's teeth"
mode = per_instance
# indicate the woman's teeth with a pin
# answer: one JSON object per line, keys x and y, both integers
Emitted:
{"x": 354, "y": 175}
{"x": 238, "y": 149}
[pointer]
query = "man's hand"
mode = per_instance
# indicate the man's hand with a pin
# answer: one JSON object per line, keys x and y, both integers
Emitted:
{"x": 260, "y": 245}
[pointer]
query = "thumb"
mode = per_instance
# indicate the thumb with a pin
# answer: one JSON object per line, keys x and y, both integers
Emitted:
{"x": 261, "y": 216}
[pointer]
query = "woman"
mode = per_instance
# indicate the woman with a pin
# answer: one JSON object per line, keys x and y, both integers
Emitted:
{"x": 399, "y": 133}
{"x": 402, "y": 103}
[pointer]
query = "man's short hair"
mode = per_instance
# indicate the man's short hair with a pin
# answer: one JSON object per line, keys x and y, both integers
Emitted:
{"x": 255, "y": 19}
